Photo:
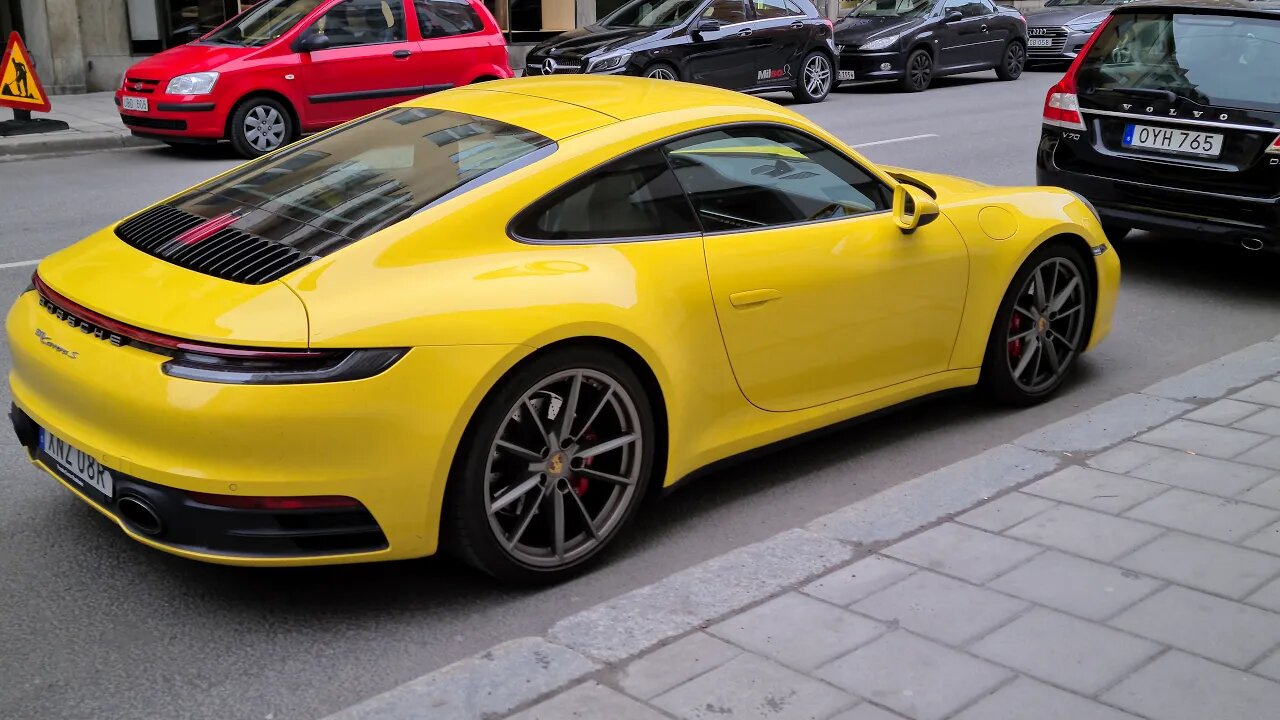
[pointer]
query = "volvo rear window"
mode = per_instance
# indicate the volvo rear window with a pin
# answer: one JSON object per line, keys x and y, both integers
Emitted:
{"x": 371, "y": 175}
{"x": 1218, "y": 60}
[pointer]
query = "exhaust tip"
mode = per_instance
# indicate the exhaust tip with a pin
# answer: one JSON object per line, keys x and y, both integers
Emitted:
{"x": 140, "y": 515}
{"x": 1252, "y": 244}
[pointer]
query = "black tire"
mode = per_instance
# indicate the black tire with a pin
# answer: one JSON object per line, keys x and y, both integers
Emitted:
{"x": 917, "y": 74}
{"x": 1013, "y": 61}
{"x": 469, "y": 533}
{"x": 1116, "y": 233}
{"x": 661, "y": 71}
{"x": 275, "y": 127}
{"x": 1000, "y": 377}
{"x": 814, "y": 89}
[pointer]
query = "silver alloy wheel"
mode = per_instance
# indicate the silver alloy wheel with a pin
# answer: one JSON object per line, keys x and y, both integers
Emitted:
{"x": 264, "y": 128}
{"x": 563, "y": 469}
{"x": 1047, "y": 325}
{"x": 660, "y": 72}
{"x": 817, "y": 76}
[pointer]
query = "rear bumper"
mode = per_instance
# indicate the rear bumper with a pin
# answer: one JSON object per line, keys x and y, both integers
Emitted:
{"x": 1216, "y": 217}
{"x": 177, "y": 117}
{"x": 386, "y": 441}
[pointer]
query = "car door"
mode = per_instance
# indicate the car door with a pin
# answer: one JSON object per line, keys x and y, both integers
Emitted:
{"x": 994, "y": 30}
{"x": 819, "y": 295}
{"x": 450, "y": 31}
{"x": 367, "y": 64}
{"x": 961, "y": 42}
{"x": 721, "y": 55}
{"x": 780, "y": 35}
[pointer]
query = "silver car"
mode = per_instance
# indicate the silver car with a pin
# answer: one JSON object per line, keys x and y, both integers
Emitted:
{"x": 1059, "y": 30}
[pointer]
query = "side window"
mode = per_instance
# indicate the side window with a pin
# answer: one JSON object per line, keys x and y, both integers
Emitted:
{"x": 636, "y": 196}
{"x": 442, "y": 18}
{"x": 727, "y": 12}
{"x": 768, "y": 9}
{"x": 758, "y": 177}
{"x": 983, "y": 7}
{"x": 362, "y": 22}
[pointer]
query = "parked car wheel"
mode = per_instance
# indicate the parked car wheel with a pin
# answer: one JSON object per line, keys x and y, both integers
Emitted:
{"x": 1013, "y": 62}
{"x": 260, "y": 125}
{"x": 919, "y": 71}
{"x": 816, "y": 78}
{"x": 554, "y": 465}
{"x": 661, "y": 71}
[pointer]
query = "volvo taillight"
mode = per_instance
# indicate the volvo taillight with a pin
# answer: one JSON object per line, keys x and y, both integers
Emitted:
{"x": 1061, "y": 104}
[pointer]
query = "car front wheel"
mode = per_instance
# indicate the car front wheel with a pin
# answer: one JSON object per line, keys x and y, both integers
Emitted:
{"x": 260, "y": 125}
{"x": 1041, "y": 328}
{"x": 554, "y": 465}
{"x": 919, "y": 71}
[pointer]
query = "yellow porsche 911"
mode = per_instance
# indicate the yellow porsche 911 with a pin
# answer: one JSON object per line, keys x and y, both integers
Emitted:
{"x": 494, "y": 319}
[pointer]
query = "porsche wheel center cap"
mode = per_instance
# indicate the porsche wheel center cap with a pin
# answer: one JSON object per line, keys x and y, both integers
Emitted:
{"x": 556, "y": 464}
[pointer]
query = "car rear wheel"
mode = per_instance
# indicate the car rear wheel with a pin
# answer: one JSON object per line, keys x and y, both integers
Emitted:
{"x": 1040, "y": 329}
{"x": 1013, "y": 63}
{"x": 260, "y": 125}
{"x": 816, "y": 75}
{"x": 919, "y": 71}
{"x": 554, "y": 465}
{"x": 661, "y": 71}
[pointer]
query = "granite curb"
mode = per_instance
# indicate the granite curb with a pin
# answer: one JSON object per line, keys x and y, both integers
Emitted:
{"x": 518, "y": 673}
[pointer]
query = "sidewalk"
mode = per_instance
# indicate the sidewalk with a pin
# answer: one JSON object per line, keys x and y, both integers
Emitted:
{"x": 1127, "y": 567}
{"x": 95, "y": 125}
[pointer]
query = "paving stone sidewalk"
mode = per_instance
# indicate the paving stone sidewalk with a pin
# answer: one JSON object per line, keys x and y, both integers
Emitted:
{"x": 1128, "y": 567}
{"x": 95, "y": 125}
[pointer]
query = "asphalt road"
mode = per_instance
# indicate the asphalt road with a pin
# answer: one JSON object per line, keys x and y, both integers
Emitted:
{"x": 95, "y": 626}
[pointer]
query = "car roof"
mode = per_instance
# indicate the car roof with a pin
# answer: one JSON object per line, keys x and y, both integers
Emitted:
{"x": 559, "y": 106}
{"x": 1256, "y": 8}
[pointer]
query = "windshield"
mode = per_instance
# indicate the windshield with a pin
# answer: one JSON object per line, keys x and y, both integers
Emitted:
{"x": 1078, "y": 3}
{"x": 1223, "y": 61}
{"x": 894, "y": 8}
{"x": 370, "y": 175}
{"x": 262, "y": 23}
{"x": 650, "y": 13}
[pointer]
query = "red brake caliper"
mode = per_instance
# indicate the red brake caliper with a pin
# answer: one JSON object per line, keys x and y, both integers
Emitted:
{"x": 580, "y": 483}
{"x": 1015, "y": 346}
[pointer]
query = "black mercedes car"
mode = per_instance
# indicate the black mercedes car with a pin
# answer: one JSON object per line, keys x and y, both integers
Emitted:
{"x": 749, "y": 45}
{"x": 911, "y": 42}
{"x": 1170, "y": 121}
{"x": 1057, "y": 31}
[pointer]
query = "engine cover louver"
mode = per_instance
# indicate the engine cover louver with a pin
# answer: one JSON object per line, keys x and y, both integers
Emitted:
{"x": 225, "y": 253}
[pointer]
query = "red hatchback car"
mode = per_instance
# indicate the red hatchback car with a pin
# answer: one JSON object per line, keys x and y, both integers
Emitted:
{"x": 287, "y": 67}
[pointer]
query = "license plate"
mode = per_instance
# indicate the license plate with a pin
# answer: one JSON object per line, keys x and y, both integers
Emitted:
{"x": 137, "y": 104}
{"x": 1173, "y": 141}
{"x": 77, "y": 464}
{"x": 844, "y": 75}
{"x": 1039, "y": 42}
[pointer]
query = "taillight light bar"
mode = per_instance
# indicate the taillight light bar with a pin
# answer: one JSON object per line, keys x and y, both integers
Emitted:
{"x": 299, "y": 502}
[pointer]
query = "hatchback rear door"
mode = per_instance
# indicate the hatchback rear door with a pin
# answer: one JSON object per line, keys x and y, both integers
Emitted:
{"x": 1189, "y": 97}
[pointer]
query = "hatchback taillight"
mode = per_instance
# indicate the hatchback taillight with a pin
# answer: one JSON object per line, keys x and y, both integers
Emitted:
{"x": 1061, "y": 105}
{"x": 1274, "y": 148}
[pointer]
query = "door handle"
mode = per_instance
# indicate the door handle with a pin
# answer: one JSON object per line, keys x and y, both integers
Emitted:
{"x": 751, "y": 298}
{"x": 745, "y": 32}
{"x": 401, "y": 54}
{"x": 797, "y": 24}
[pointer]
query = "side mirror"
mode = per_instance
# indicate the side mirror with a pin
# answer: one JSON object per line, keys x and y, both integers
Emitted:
{"x": 913, "y": 208}
{"x": 311, "y": 43}
{"x": 953, "y": 16}
{"x": 706, "y": 26}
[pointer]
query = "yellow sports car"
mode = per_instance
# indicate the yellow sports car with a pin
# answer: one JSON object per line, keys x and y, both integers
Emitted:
{"x": 494, "y": 319}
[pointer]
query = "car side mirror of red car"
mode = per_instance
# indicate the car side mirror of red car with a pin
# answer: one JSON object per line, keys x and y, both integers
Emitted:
{"x": 311, "y": 43}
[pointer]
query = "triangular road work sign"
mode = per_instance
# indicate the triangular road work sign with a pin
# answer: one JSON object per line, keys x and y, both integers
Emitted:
{"x": 20, "y": 89}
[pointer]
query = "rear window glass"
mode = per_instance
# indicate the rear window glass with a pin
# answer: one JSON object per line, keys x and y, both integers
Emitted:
{"x": 1217, "y": 60}
{"x": 373, "y": 174}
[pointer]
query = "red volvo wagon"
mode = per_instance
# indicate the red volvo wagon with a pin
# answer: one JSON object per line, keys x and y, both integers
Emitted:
{"x": 287, "y": 67}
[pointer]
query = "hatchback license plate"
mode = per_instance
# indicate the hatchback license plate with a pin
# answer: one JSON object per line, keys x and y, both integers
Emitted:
{"x": 1173, "y": 141}
{"x": 1039, "y": 42}
{"x": 77, "y": 464}
{"x": 844, "y": 75}
{"x": 137, "y": 104}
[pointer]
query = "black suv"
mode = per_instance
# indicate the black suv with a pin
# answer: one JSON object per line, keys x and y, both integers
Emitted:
{"x": 748, "y": 45}
{"x": 1170, "y": 120}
